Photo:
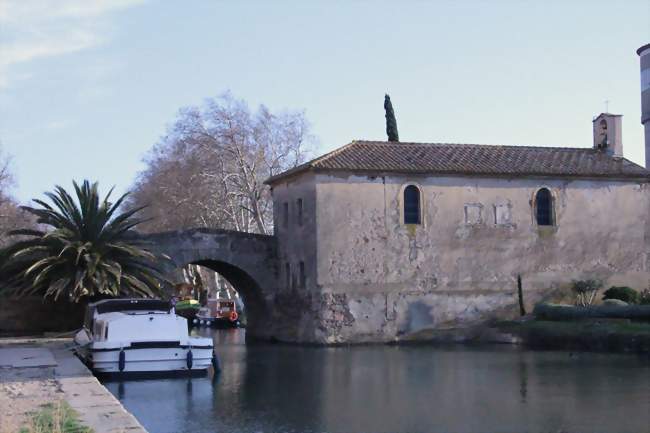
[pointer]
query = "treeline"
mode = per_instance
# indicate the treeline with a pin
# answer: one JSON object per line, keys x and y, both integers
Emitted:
{"x": 209, "y": 169}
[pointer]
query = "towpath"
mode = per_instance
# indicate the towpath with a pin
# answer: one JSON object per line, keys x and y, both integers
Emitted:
{"x": 37, "y": 372}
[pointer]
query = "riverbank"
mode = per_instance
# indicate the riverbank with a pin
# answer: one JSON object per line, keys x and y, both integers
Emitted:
{"x": 38, "y": 372}
{"x": 597, "y": 335}
{"x": 591, "y": 335}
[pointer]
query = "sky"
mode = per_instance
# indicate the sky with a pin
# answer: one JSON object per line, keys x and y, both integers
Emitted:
{"x": 87, "y": 87}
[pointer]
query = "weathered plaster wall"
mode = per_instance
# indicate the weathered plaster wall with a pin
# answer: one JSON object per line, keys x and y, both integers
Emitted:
{"x": 379, "y": 280}
{"x": 294, "y": 305}
{"x": 296, "y": 241}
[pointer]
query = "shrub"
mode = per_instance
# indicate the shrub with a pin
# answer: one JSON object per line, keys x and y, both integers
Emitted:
{"x": 585, "y": 291}
{"x": 622, "y": 293}
{"x": 644, "y": 297}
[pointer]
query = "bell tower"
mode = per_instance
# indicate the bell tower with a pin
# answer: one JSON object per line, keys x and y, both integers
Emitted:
{"x": 608, "y": 133}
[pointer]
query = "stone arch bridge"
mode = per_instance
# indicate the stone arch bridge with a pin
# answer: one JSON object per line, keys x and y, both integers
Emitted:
{"x": 248, "y": 261}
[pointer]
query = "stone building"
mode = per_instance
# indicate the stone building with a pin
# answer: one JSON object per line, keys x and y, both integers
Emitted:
{"x": 379, "y": 240}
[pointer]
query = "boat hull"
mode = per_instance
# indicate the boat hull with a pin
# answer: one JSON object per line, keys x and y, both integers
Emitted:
{"x": 188, "y": 313}
{"x": 220, "y": 322}
{"x": 147, "y": 360}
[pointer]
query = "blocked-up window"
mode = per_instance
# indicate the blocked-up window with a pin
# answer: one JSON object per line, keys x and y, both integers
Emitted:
{"x": 473, "y": 213}
{"x": 303, "y": 277}
{"x": 299, "y": 211}
{"x": 285, "y": 215}
{"x": 502, "y": 215}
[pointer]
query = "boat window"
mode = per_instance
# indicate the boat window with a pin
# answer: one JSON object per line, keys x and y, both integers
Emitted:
{"x": 88, "y": 318}
{"x": 106, "y": 332}
{"x": 97, "y": 329}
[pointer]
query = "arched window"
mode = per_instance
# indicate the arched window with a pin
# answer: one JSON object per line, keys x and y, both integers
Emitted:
{"x": 544, "y": 207}
{"x": 411, "y": 205}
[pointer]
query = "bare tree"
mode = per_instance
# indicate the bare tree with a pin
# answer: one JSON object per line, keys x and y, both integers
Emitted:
{"x": 6, "y": 178}
{"x": 11, "y": 215}
{"x": 208, "y": 171}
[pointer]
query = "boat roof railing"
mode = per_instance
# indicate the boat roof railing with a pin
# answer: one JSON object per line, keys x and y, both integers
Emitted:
{"x": 116, "y": 305}
{"x": 113, "y": 305}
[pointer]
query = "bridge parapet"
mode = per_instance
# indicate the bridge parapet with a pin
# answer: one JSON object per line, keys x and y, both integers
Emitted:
{"x": 236, "y": 248}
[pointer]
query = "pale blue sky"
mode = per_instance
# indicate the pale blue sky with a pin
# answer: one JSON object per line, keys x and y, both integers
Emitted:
{"x": 87, "y": 87}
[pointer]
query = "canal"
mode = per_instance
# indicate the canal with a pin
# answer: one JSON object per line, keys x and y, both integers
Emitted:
{"x": 495, "y": 388}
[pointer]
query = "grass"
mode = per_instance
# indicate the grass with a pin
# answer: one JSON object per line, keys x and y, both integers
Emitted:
{"x": 56, "y": 417}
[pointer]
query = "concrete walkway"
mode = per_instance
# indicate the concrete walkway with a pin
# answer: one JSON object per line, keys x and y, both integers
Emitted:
{"x": 33, "y": 373}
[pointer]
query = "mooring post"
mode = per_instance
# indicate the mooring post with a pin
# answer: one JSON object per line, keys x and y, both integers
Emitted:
{"x": 520, "y": 292}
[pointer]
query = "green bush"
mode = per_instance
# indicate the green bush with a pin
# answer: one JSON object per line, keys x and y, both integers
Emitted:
{"x": 569, "y": 312}
{"x": 622, "y": 293}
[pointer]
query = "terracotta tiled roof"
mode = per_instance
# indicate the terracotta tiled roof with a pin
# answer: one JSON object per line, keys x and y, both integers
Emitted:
{"x": 471, "y": 159}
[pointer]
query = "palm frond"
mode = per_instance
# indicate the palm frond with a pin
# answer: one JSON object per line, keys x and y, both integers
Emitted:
{"x": 87, "y": 249}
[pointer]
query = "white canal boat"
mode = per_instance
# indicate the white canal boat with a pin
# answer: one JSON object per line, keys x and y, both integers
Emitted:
{"x": 140, "y": 336}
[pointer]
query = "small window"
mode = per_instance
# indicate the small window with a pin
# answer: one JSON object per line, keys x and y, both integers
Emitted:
{"x": 544, "y": 207}
{"x": 502, "y": 215}
{"x": 302, "y": 275}
{"x": 287, "y": 273}
{"x": 285, "y": 215}
{"x": 473, "y": 213}
{"x": 411, "y": 205}
{"x": 98, "y": 329}
{"x": 299, "y": 210}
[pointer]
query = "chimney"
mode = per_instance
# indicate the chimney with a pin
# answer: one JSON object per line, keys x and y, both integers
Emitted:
{"x": 644, "y": 54}
{"x": 608, "y": 134}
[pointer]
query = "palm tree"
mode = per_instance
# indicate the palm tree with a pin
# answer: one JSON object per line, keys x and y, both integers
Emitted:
{"x": 83, "y": 248}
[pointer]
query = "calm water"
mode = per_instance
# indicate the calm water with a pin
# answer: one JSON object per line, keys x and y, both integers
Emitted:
{"x": 276, "y": 388}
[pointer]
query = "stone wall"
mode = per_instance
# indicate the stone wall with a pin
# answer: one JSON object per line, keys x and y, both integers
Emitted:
{"x": 377, "y": 279}
{"x": 31, "y": 316}
{"x": 247, "y": 261}
{"x": 296, "y": 239}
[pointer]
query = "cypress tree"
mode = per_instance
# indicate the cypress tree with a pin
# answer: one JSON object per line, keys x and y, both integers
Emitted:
{"x": 391, "y": 122}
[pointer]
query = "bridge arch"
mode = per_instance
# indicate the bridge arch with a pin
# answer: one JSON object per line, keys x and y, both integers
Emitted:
{"x": 247, "y": 261}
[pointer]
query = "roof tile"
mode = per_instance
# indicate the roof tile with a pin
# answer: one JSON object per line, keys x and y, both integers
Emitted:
{"x": 471, "y": 159}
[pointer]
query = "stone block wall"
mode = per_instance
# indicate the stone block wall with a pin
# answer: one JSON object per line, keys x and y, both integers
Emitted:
{"x": 32, "y": 316}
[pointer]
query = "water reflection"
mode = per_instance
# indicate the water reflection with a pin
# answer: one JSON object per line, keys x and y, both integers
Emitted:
{"x": 276, "y": 388}
{"x": 523, "y": 379}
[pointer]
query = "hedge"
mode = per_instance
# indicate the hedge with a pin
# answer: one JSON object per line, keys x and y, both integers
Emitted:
{"x": 571, "y": 312}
